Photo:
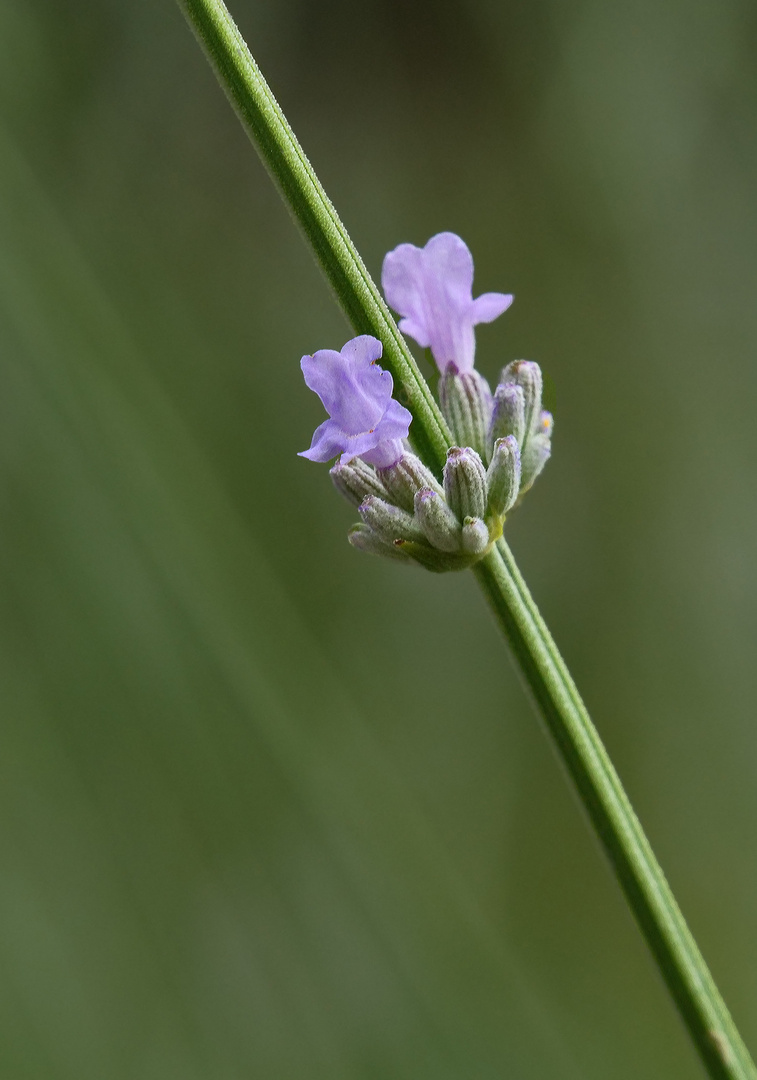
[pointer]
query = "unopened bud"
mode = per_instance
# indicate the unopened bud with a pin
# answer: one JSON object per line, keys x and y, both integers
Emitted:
{"x": 466, "y": 402}
{"x": 475, "y": 536}
{"x": 527, "y": 375}
{"x": 508, "y": 414}
{"x": 365, "y": 539}
{"x": 405, "y": 479}
{"x": 537, "y": 451}
{"x": 465, "y": 482}
{"x": 388, "y": 521}
{"x": 441, "y": 527}
{"x": 356, "y": 480}
{"x": 503, "y": 476}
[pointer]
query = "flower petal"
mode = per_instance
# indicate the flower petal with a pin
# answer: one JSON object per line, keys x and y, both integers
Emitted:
{"x": 395, "y": 423}
{"x": 385, "y": 454}
{"x": 460, "y": 346}
{"x": 328, "y": 441}
{"x": 354, "y": 390}
{"x": 430, "y": 287}
{"x": 451, "y": 262}
{"x": 362, "y": 350}
{"x": 401, "y": 275}
{"x": 489, "y": 306}
{"x": 415, "y": 330}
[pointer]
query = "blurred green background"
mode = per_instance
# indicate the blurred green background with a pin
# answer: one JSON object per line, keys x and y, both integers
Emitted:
{"x": 270, "y": 808}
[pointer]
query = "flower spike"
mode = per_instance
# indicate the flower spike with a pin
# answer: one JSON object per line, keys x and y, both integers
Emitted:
{"x": 503, "y": 439}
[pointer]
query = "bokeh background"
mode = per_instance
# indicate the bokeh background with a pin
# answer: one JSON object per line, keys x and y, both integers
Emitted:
{"x": 270, "y": 808}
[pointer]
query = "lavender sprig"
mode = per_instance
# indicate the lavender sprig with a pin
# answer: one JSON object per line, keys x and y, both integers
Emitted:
{"x": 500, "y": 450}
{"x": 701, "y": 1006}
{"x": 447, "y": 527}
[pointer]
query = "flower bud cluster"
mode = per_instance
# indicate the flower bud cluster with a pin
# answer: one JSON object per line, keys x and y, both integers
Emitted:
{"x": 480, "y": 420}
{"x": 503, "y": 439}
{"x": 407, "y": 514}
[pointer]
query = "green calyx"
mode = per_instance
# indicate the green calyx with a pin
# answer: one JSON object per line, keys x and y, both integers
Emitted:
{"x": 406, "y": 514}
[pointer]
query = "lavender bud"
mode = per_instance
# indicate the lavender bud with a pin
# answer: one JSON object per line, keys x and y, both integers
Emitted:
{"x": 389, "y": 522}
{"x": 356, "y": 480}
{"x": 441, "y": 527}
{"x": 466, "y": 402}
{"x": 527, "y": 375}
{"x": 537, "y": 451}
{"x": 405, "y": 479}
{"x": 475, "y": 536}
{"x": 365, "y": 539}
{"x": 503, "y": 476}
{"x": 465, "y": 482}
{"x": 508, "y": 414}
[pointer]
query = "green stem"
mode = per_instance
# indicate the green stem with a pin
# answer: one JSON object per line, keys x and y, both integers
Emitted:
{"x": 289, "y": 168}
{"x": 610, "y": 811}
{"x": 555, "y": 694}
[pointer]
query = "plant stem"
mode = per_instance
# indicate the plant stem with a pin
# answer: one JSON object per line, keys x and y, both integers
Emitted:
{"x": 289, "y": 168}
{"x": 610, "y": 812}
{"x": 579, "y": 746}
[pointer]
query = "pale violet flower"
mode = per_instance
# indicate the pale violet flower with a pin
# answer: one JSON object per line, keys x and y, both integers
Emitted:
{"x": 432, "y": 289}
{"x": 365, "y": 420}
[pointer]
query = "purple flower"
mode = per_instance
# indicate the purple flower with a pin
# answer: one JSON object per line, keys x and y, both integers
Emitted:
{"x": 432, "y": 288}
{"x": 365, "y": 420}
